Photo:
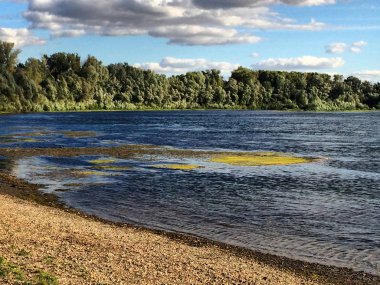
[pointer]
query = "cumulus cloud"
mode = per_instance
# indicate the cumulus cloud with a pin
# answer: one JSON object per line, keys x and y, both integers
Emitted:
{"x": 308, "y": 2}
{"x": 197, "y": 35}
{"x": 359, "y": 44}
{"x": 67, "y": 33}
{"x": 370, "y": 75}
{"x": 20, "y": 37}
{"x": 227, "y": 4}
{"x": 338, "y": 48}
{"x": 309, "y": 63}
{"x": 14, "y": 1}
{"x": 183, "y": 22}
{"x": 357, "y": 47}
{"x": 171, "y": 65}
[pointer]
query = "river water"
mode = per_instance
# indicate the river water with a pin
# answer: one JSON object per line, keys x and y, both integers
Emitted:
{"x": 327, "y": 211}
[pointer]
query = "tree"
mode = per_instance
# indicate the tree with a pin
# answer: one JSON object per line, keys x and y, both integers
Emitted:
{"x": 60, "y": 63}
{"x": 61, "y": 82}
{"x": 8, "y": 57}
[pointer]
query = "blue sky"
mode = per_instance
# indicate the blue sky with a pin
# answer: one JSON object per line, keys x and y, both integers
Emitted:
{"x": 176, "y": 36}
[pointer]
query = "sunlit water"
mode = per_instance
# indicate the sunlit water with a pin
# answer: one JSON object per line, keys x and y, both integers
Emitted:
{"x": 326, "y": 211}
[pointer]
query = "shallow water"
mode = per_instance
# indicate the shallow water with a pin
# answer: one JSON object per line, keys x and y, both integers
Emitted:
{"x": 326, "y": 211}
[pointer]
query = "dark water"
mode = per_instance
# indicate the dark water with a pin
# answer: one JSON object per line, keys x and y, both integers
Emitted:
{"x": 326, "y": 211}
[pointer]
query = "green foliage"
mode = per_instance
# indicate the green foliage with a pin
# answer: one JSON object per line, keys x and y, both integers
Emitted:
{"x": 8, "y": 56}
{"x": 7, "y": 269}
{"x": 60, "y": 82}
{"x": 11, "y": 272}
{"x": 23, "y": 252}
{"x": 45, "y": 278}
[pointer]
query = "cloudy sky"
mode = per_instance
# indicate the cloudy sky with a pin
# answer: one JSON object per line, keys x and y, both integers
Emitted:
{"x": 175, "y": 36}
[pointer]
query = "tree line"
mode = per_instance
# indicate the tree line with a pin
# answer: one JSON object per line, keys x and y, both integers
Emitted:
{"x": 62, "y": 81}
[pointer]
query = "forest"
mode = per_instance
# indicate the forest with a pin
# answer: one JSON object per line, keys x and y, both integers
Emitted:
{"x": 63, "y": 81}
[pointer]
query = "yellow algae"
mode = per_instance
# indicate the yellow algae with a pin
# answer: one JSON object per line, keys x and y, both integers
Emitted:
{"x": 31, "y": 134}
{"x": 178, "y": 166}
{"x": 102, "y": 161}
{"x": 91, "y": 173}
{"x": 258, "y": 159}
{"x": 79, "y": 134}
{"x": 17, "y": 140}
{"x": 29, "y": 140}
{"x": 113, "y": 168}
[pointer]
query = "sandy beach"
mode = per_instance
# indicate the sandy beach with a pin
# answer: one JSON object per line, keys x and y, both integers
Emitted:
{"x": 77, "y": 250}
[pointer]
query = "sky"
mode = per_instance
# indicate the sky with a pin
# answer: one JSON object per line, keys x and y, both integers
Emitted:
{"x": 176, "y": 36}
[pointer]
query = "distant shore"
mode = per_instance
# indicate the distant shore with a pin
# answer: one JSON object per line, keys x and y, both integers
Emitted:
{"x": 44, "y": 239}
{"x": 195, "y": 109}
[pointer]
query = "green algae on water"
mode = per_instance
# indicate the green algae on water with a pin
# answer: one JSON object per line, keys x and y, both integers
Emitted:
{"x": 113, "y": 168}
{"x": 258, "y": 159}
{"x": 185, "y": 167}
{"x": 91, "y": 173}
{"x": 79, "y": 134}
{"x": 103, "y": 161}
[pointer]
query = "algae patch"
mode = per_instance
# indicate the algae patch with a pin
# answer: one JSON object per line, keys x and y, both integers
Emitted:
{"x": 91, "y": 173}
{"x": 258, "y": 159}
{"x": 186, "y": 167}
{"x": 113, "y": 168}
{"x": 15, "y": 139}
{"x": 79, "y": 134}
{"x": 103, "y": 161}
{"x": 30, "y": 140}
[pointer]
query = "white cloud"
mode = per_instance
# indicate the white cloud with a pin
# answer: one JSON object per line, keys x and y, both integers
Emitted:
{"x": 370, "y": 75}
{"x": 357, "y": 47}
{"x": 172, "y": 65}
{"x": 267, "y": 23}
{"x": 339, "y": 48}
{"x": 20, "y": 37}
{"x": 308, "y": 2}
{"x": 255, "y": 55}
{"x": 183, "y": 22}
{"x": 14, "y": 1}
{"x": 197, "y": 35}
{"x": 336, "y": 48}
{"x": 359, "y": 44}
{"x": 67, "y": 33}
{"x": 228, "y": 4}
{"x": 309, "y": 63}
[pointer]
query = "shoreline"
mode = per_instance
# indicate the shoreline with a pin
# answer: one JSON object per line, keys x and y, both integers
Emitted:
{"x": 194, "y": 109}
{"x": 311, "y": 272}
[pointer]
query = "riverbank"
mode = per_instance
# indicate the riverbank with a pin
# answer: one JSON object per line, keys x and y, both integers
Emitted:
{"x": 55, "y": 243}
{"x": 75, "y": 250}
{"x": 168, "y": 110}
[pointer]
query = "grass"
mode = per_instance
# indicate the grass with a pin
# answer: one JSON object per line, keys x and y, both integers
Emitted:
{"x": 185, "y": 167}
{"x": 258, "y": 159}
{"x": 22, "y": 252}
{"x": 45, "y": 278}
{"x": 10, "y": 271}
{"x": 13, "y": 274}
